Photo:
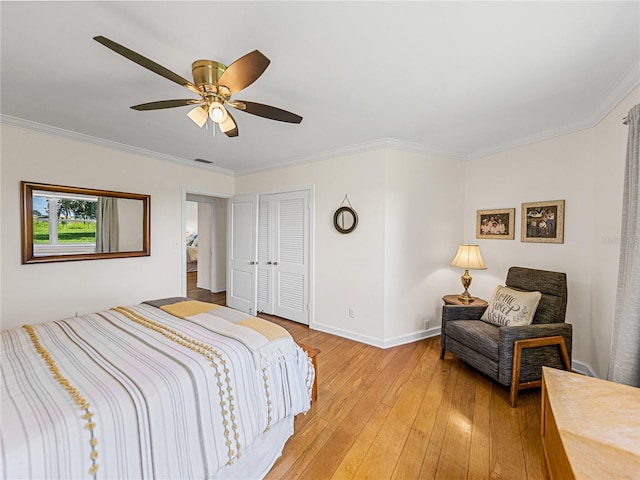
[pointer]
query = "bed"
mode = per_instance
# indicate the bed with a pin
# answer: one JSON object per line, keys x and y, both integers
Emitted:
{"x": 192, "y": 253}
{"x": 164, "y": 389}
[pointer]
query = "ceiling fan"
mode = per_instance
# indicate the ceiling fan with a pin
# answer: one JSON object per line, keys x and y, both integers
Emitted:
{"x": 215, "y": 83}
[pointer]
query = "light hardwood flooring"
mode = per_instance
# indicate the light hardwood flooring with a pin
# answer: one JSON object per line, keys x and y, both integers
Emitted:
{"x": 402, "y": 413}
{"x": 201, "y": 294}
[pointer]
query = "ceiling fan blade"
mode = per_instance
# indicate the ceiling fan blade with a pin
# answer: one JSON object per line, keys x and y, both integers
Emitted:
{"x": 244, "y": 71}
{"x": 229, "y": 127}
{"x": 146, "y": 63}
{"x": 267, "y": 111}
{"x": 166, "y": 104}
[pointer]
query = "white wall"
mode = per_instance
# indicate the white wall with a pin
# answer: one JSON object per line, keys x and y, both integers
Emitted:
{"x": 393, "y": 268}
{"x": 191, "y": 223}
{"x": 586, "y": 169}
{"x": 424, "y": 204}
{"x": 39, "y": 292}
{"x": 204, "y": 245}
{"x": 349, "y": 269}
{"x": 220, "y": 246}
{"x": 130, "y": 223}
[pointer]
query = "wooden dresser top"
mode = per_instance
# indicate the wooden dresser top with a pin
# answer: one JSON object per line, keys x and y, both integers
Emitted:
{"x": 598, "y": 422}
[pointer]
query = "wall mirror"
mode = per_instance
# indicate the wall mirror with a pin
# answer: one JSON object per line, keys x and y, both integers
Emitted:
{"x": 345, "y": 220}
{"x": 61, "y": 224}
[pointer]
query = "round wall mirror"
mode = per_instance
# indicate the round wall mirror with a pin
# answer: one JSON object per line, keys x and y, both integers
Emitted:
{"x": 345, "y": 220}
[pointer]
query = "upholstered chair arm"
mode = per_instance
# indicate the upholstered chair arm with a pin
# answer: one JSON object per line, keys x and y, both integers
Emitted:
{"x": 539, "y": 356}
{"x": 462, "y": 312}
{"x": 458, "y": 312}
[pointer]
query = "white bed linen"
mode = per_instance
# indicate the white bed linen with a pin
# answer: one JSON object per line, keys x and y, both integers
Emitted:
{"x": 159, "y": 409}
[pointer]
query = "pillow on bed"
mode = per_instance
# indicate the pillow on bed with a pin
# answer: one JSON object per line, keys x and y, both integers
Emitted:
{"x": 509, "y": 307}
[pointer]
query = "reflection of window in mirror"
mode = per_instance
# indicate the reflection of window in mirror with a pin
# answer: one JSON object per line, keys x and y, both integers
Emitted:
{"x": 63, "y": 223}
{"x": 70, "y": 223}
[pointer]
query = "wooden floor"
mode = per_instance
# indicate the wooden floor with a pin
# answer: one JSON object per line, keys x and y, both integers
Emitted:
{"x": 201, "y": 294}
{"x": 402, "y": 413}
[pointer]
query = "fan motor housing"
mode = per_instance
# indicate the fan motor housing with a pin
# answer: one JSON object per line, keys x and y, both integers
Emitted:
{"x": 207, "y": 72}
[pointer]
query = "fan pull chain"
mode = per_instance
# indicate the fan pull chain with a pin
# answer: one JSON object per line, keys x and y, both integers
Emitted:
{"x": 213, "y": 126}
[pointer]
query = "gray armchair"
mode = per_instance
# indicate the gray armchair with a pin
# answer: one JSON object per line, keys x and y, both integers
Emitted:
{"x": 513, "y": 356}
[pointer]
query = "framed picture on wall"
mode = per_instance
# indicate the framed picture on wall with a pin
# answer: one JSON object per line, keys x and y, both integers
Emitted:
{"x": 495, "y": 224}
{"x": 543, "y": 222}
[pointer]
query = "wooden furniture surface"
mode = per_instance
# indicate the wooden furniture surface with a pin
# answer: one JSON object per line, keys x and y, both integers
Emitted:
{"x": 312, "y": 352}
{"x": 590, "y": 427}
{"x": 454, "y": 300}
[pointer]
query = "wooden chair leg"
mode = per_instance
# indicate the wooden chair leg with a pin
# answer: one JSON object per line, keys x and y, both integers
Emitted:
{"x": 442, "y": 352}
{"x": 520, "y": 345}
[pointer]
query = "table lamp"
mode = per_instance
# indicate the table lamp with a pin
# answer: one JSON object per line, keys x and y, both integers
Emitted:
{"x": 469, "y": 258}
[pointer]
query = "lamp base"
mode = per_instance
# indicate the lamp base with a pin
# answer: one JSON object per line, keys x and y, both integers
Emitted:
{"x": 465, "y": 297}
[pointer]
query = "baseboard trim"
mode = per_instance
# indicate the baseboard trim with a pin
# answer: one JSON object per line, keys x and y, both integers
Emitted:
{"x": 576, "y": 365}
{"x": 203, "y": 285}
{"x": 374, "y": 341}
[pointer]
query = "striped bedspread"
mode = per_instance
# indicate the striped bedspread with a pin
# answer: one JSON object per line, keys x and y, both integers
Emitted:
{"x": 137, "y": 392}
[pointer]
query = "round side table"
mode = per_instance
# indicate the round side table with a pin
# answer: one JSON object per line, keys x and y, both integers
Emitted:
{"x": 454, "y": 300}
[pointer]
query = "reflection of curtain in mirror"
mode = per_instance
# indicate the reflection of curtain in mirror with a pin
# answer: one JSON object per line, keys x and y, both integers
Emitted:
{"x": 107, "y": 233}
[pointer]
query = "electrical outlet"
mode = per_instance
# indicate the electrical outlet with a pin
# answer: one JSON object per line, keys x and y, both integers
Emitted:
{"x": 352, "y": 312}
{"x": 426, "y": 324}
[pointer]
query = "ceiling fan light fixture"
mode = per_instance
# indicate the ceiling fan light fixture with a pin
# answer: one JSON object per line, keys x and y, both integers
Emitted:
{"x": 198, "y": 115}
{"x": 217, "y": 112}
{"x": 214, "y": 83}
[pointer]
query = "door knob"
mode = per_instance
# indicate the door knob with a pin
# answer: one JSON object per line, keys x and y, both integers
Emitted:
{"x": 253, "y": 263}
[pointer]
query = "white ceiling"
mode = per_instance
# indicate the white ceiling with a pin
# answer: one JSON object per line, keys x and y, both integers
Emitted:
{"x": 456, "y": 79}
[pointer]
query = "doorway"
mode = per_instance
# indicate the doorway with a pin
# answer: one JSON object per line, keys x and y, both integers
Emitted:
{"x": 204, "y": 249}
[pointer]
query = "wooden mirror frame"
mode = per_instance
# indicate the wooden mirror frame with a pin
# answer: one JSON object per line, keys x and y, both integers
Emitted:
{"x": 345, "y": 211}
{"x": 26, "y": 217}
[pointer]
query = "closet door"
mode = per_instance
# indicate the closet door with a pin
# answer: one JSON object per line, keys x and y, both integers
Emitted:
{"x": 291, "y": 273}
{"x": 265, "y": 254}
{"x": 269, "y": 254}
{"x": 241, "y": 252}
{"x": 284, "y": 245}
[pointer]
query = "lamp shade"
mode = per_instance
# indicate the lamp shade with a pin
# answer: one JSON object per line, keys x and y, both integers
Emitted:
{"x": 469, "y": 258}
{"x": 198, "y": 115}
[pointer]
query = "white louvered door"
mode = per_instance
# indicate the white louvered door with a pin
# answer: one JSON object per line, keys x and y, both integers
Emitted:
{"x": 283, "y": 255}
{"x": 265, "y": 256}
{"x": 241, "y": 253}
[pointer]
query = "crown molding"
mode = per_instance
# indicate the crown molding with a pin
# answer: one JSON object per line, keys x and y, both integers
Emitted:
{"x": 521, "y": 142}
{"x": 381, "y": 144}
{"x": 60, "y": 132}
{"x": 318, "y": 157}
{"x": 421, "y": 149}
{"x": 629, "y": 81}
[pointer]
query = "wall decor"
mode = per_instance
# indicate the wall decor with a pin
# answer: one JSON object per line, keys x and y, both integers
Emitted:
{"x": 61, "y": 223}
{"x": 543, "y": 222}
{"x": 496, "y": 224}
{"x": 345, "y": 218}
